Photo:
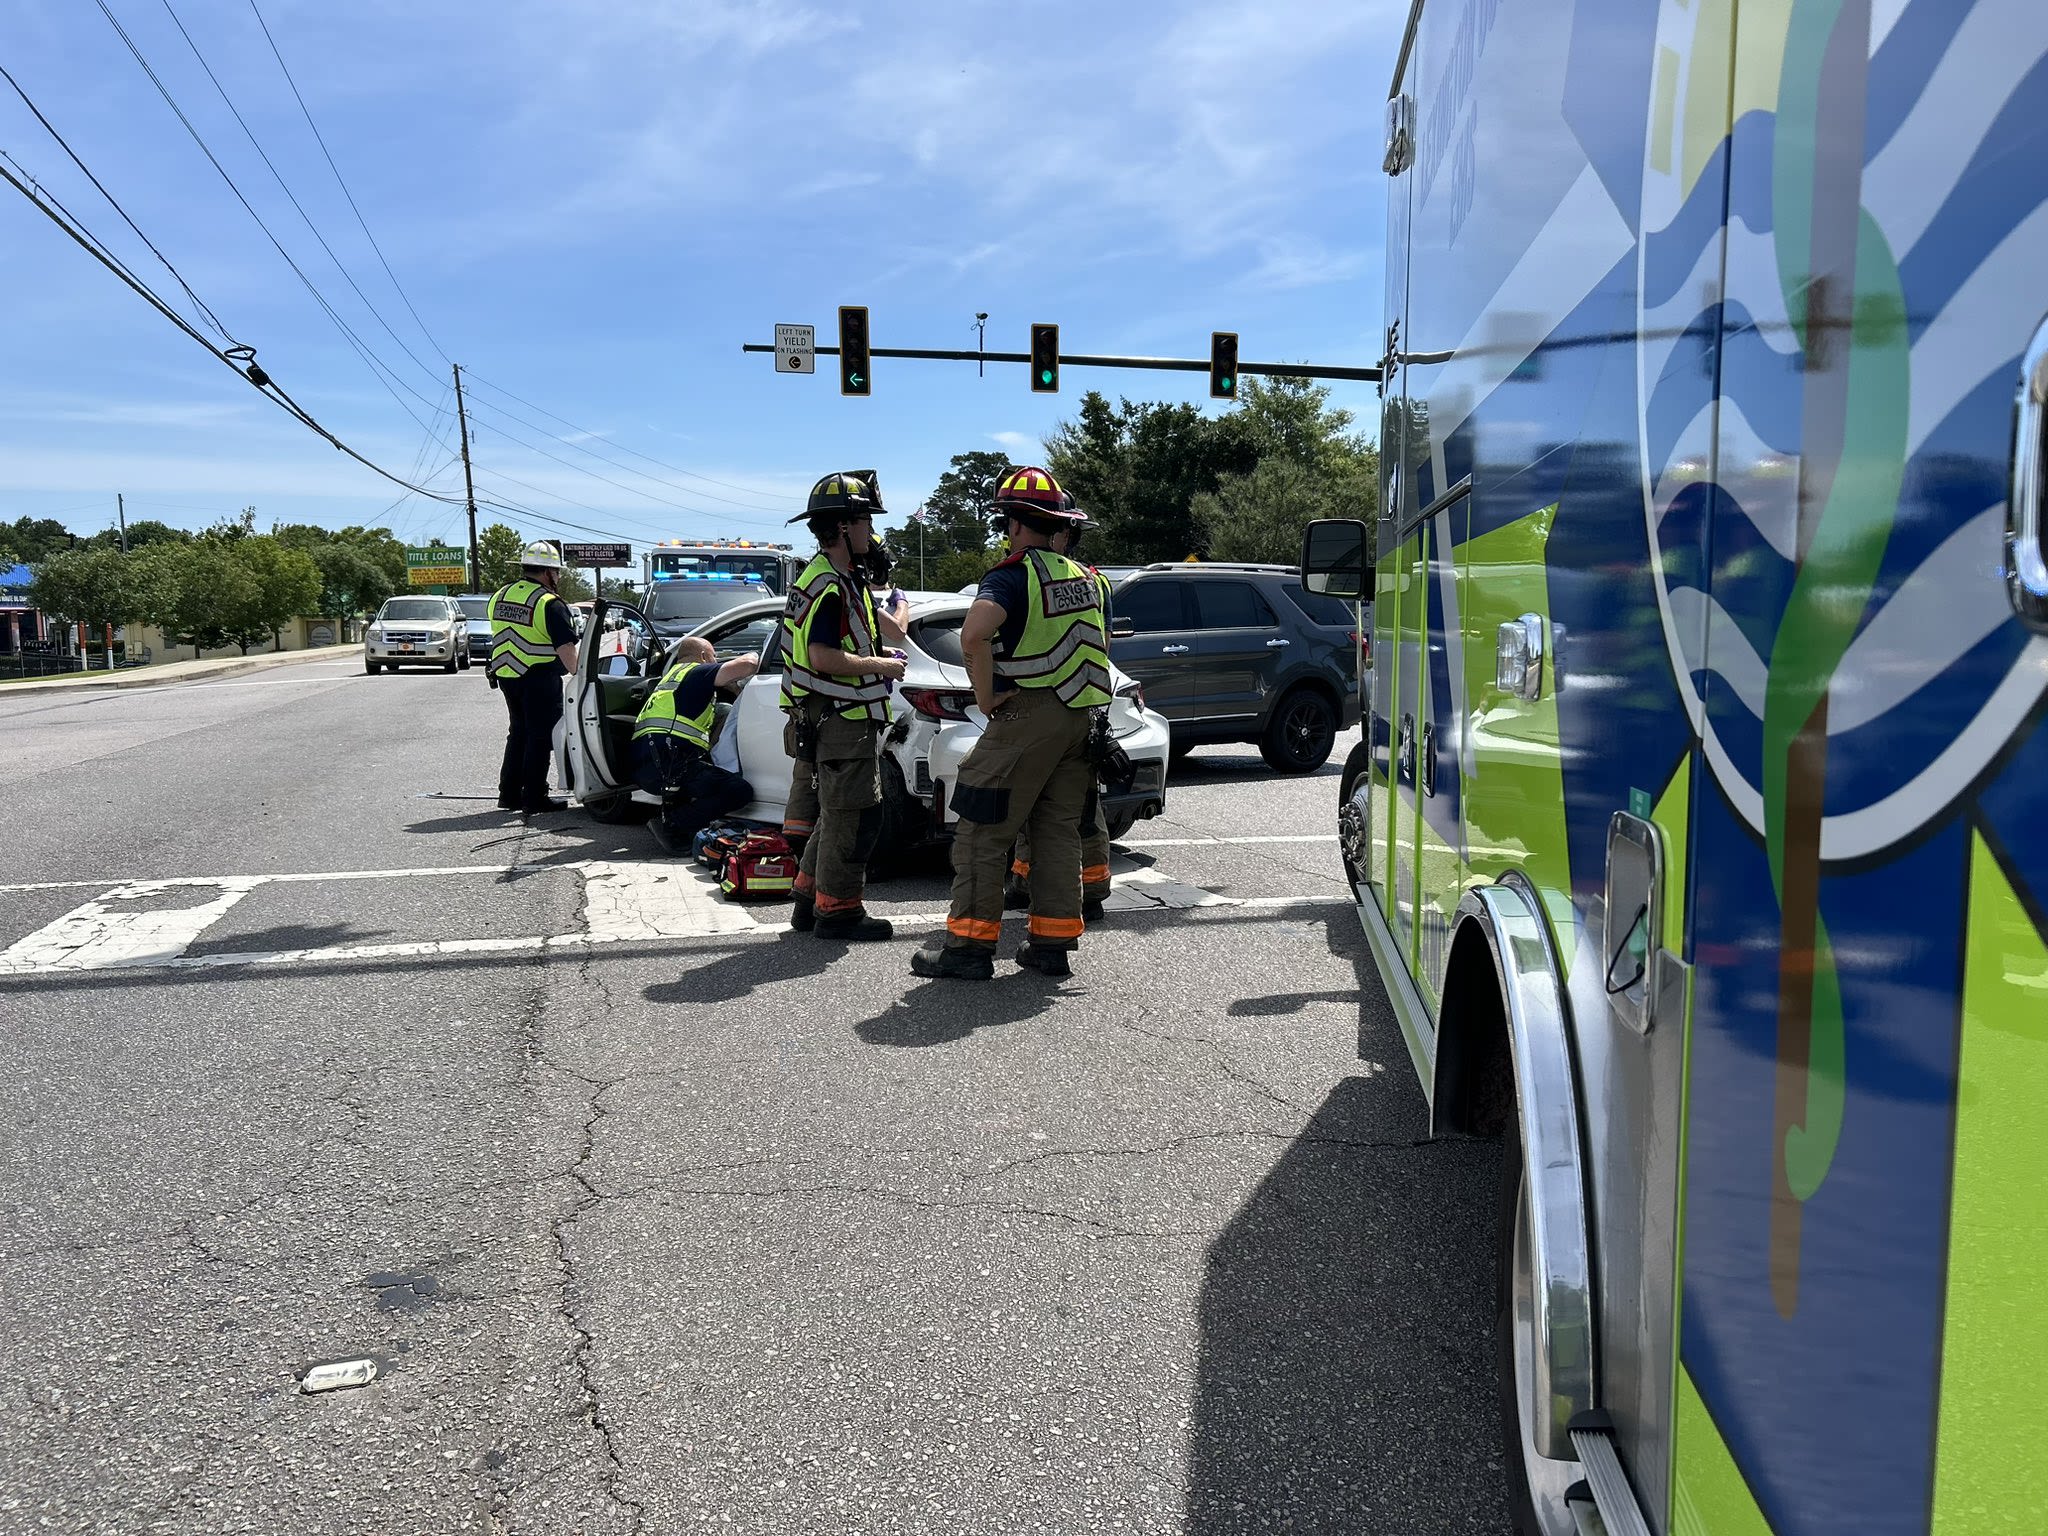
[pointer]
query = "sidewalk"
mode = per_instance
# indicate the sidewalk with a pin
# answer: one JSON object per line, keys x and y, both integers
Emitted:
{"x": 160, "y": 673}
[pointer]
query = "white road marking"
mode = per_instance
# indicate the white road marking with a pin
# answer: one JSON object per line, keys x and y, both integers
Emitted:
{"x": 656, "y": 901}
{"x": 1206, "y": 842}
{"x": 103, "y": 934}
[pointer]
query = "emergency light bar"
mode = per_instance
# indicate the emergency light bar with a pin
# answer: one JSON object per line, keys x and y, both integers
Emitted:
{"x": 707, "y": 576}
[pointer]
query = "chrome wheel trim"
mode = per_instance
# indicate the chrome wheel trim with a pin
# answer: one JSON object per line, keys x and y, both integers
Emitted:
{"x": 1545, "y": 1479}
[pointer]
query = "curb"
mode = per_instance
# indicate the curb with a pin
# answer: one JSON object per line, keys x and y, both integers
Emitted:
{"x": 165, "y": 674}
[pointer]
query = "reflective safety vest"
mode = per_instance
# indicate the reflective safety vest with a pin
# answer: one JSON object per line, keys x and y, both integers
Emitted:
{"x": 857, "y": 698}
{"x": 1063, "y": 646}
{"x": 519, "y": 629}
{"x": 658, "y": 715}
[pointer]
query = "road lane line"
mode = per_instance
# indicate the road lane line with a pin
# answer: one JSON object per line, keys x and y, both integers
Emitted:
{"x": 656, "y": 901}
{"x": 1219, "y": 842}
{"x": 311, "y": 877}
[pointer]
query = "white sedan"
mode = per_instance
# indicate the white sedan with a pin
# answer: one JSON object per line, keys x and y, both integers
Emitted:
{"x": 933, "y": 723}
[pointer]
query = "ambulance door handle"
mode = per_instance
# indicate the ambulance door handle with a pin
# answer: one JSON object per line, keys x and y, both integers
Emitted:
{"x": 1404, "y": 749}
{"x": 2026, "y": 566}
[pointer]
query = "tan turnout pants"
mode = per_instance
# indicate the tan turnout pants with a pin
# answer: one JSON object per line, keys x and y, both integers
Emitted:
{"x": 1095, "y": 880}
{"x": 1029, "y": 770}
{"x": 841, "y": 797}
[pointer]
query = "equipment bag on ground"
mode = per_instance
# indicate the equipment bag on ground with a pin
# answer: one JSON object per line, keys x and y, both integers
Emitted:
{"x": 761, "y": 868}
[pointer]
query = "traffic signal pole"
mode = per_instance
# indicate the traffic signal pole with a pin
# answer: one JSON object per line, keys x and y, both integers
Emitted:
{"x": 1366, "y": 375}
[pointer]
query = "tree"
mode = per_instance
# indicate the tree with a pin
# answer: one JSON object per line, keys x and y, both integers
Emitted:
{"x": 956, "y": 533}
{"x": 620, "y": 589}
{"x": 1261, "y": 516}
{"x": 92, "y": 586}
{"x": 572, "y": 585}
{"x": 1137, "y": 467}
{"x": 189, "y": 590}
{"x": 283, "y": 584}
{"x": 35, "y": 539}
{"x": 351, "y": 583}
{"x": 498, "y": 552}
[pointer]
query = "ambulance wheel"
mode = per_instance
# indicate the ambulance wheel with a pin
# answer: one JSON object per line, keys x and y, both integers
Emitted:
{"x": 617, "y": 810}
{"x": 1536, "y": 1484}
{"x": 1354, "y": 830}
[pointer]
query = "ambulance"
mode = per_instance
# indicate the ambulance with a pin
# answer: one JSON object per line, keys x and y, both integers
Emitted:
{"x": 1699, "y": 825}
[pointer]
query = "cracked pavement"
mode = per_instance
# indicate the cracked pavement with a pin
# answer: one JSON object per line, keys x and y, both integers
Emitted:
{"x": 744, "y": 1233}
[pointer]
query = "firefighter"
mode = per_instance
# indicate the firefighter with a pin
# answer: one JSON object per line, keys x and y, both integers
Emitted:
{"x": 672, "y": 743}
{"x": 1037, "y": 651}
{"x": 533, "y": 647}
{"x": 1095, "y": 880}
{"x": 835, "y": 689}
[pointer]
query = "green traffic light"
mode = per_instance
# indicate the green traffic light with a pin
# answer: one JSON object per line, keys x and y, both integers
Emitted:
{"x": 1226, "y": 383}
{"x": 1045, "y": 375}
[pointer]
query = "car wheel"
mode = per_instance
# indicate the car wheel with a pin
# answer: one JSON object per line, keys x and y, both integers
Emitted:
{"x": 462, "y": 660}
{"x": 1300, "y": 733}
{"x": 372, "y": 668}
{"x": 1178, "y": 746}
{"x": 1119, "y": 823}
{"x": 618, "y": 810}
{"x": 449, "y": 667}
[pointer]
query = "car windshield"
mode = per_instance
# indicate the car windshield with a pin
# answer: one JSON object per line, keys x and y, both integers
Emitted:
{"x": 474, "y": 607}
{"x": 416, "y": 609}
{"x": 691, "y": 602}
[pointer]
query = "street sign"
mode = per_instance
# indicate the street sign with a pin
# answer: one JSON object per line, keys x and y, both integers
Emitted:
{"x": 435, "y": 566}
{"x": 594, "y": 557}
{"x": 796, "y": 349}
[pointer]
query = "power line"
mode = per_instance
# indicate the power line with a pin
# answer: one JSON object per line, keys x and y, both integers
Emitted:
{"x": 322, "y": 141}
{"x": 608, "y": 480}
{"x": 255, "y": 378}
{"x": 285, "y": 187}
{"x": 211, "y": 318}
{"x": 691, "y": 473}
{"x": 378, "y": 369}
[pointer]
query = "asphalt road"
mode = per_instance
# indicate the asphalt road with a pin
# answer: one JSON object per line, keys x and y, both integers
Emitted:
{"x": 653, "y": 1227}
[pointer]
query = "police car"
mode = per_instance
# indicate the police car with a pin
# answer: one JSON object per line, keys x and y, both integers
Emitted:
{"x": 933, "y": 722}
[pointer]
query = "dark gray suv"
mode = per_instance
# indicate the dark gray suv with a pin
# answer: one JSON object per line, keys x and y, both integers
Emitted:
{"x": 1239, "y": 653}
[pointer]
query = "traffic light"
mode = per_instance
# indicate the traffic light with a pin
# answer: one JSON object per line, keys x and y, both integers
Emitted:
{"x": 1045, "y": 359}
{"x": 854, "y": 378}
{"x": 1223, "y": 365}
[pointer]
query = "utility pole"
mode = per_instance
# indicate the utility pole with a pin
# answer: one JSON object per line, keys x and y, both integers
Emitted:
{"x": 476, "y": 564}
{"x": 121, "y": 510}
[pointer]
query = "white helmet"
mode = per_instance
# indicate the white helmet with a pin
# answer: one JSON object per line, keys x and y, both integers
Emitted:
{"x": 540, "y": 555}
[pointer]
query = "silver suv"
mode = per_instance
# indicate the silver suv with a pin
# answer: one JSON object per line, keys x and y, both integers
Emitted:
{"x": 424, "y": 631}
{"x": 1232, "y": 652}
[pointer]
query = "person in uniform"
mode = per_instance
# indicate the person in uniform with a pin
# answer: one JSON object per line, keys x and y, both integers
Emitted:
{"x": 835, "y": 689}
{"x": 672, "y": 743}
{"x": 533, "y": 647}
{"x": 1095, "y": 881}
{"x": 1037, "y": 652}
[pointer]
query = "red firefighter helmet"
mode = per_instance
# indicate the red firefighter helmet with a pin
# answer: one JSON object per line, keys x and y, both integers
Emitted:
{"x": 1031, "y": 494}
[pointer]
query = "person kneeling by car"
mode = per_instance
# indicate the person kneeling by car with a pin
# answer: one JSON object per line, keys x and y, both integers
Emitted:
{"x": 672, "y": 743}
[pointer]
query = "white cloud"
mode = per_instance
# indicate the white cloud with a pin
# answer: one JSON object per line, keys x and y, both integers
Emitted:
{"x": 1015, "y": 442}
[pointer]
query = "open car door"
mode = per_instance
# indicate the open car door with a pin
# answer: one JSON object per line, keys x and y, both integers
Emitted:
{"x": 750, "y": 739}
{"x": 619, "y": 652}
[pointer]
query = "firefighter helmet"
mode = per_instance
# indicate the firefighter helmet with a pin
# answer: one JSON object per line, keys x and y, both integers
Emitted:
{"x": 540, "y": 555}
{"x": 1034, "y": 498}
{"x": 841, "y": 497}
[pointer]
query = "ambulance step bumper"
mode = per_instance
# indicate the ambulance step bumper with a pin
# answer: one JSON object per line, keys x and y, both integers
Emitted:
{"x": 1613, "y": 1510}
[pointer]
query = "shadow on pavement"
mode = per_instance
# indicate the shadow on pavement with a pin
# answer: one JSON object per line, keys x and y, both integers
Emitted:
{"x": 758, "y": 965}
{"x": 1238, "y": 766}
{"x": 1277, "y": 1003}
{"x": 1344, "y": 1375}
{"x": 941, "y": 1012}
{"x": 287, "y": 936}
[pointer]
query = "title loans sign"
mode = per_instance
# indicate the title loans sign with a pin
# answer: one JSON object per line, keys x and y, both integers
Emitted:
{"x": 435, "y": 567}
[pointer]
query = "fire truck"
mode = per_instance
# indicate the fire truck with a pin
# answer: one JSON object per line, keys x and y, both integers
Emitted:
{"x": 777, "y": 565}
{"x": 1699, "y": 824}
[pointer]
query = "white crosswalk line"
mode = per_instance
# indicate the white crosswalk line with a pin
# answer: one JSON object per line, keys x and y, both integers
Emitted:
{"x": 111, "y": 931}
{"x": 656, "y": 901}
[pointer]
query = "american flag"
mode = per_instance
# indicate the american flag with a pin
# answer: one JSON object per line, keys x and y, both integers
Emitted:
{"x": 921, "y": 515}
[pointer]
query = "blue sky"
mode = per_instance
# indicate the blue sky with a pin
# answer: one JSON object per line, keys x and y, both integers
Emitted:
{"x": 592, "y": 205}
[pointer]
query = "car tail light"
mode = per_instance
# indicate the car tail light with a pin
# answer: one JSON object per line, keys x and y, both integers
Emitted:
{"x": 1135, "y": 692}
{"x": 938, "y": 703}
{"x": 1364, "y": 643}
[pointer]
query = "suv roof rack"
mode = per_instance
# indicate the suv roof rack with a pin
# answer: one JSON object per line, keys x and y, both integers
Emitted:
{"x": 1222, "y": 565}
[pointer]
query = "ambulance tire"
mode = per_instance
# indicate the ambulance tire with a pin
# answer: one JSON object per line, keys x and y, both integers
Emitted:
{"x": 1356, "y": 766}
{"x": 1523, "y": 1498}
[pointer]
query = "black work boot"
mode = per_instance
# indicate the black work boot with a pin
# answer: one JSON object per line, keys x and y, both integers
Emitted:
{"x": 1091, "y": 909}
{"x": 955, "y": 964}
{"x": 854, "y": 926}
{"x": 1016, "y": 895}
{"x": 803, "y": 916}
{"x": 1047, "y": 962}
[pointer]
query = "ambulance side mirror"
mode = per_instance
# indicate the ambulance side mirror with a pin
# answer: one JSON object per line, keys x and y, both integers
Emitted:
{"x": 1333, "y": 561}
